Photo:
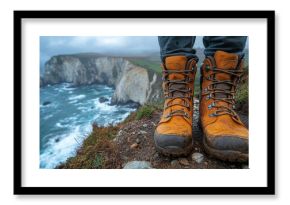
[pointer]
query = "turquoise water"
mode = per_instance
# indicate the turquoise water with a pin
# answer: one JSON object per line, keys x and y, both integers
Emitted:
{"x": 66, "y": 116}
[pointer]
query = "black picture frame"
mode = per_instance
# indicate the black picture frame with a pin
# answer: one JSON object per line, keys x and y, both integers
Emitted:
{"x": 19, "y": 189}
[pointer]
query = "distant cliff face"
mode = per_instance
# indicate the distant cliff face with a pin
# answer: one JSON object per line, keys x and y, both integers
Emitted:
{"x": 131, "y": 82}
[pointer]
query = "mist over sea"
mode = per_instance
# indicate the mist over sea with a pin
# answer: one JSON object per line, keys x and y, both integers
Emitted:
{"x": 66, "y": 116}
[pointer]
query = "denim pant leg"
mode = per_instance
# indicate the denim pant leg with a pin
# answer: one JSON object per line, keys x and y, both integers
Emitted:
{"x": 177, "y": 45}
{"x": 230, "y": 44}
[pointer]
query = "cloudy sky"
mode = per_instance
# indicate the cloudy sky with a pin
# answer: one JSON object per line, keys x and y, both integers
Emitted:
{"x": 108, "y": 45}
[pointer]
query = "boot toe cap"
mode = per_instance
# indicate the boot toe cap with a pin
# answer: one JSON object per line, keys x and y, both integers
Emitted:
{"x": 172, "y": 141}
{"x": 235, "y": 143}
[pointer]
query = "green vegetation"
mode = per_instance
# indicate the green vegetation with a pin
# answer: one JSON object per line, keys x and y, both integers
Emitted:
{"x": 90, "y": 155}
{"x": 144, "y": 111}
{"x": 242, "y": 93}
{"x": 97, "y": 150}
{"x": 146, "y": 63}
{"x": 197, "y": 83}
{"x": 99, "y": 161}
{"x": 147, "y": 110}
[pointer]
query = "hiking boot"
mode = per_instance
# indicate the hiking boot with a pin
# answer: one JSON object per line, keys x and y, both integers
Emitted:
{"x": 173, "y": 135}
{"x": 225, "y": 136}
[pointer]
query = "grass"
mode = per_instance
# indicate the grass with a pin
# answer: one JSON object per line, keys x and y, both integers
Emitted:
{"x": 147, "y": 110}
{"x": 90, "y": 154}
{"x": 148, "y": 64}
{"x": 97, "y": 150}
{"x": 242, "y": 93}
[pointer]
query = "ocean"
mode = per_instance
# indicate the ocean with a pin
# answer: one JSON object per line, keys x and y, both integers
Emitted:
{"x": 66, "y": 116}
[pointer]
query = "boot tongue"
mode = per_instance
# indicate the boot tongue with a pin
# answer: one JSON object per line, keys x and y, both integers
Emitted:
{"x": 177, "y": 63}
{"x": 225, "y": 61}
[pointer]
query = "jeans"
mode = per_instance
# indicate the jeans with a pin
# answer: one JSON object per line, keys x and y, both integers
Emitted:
{"x": 182, "y": 45}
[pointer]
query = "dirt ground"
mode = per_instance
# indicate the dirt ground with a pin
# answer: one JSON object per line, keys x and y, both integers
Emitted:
{"x": 134, "y": 141}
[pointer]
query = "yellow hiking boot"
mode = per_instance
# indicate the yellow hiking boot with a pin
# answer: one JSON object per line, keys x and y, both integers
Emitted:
{"x": 225, "y": 136}
{"x": 173, "y": 135}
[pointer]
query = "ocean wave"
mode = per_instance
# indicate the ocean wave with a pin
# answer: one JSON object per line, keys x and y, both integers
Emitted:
{"x": 78, "y": 97}
{"x": 105, "y": 106}
{"x": 47, "y": 117}
{"x": 61, "y": 147}
{"x": 73, "y": 101}
{"x": 60, "y": 125}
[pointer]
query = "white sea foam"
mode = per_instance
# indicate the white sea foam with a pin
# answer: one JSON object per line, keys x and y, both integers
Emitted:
{"x": 60, "y": 125}
{"x": 58, "y": 151}
{"x": 73, "y": 101}
{"x": 47, "y": 117}
{"x": 78, "y": 97}
{"x": 105, "y": 107}
{"x": 71, "y": 127}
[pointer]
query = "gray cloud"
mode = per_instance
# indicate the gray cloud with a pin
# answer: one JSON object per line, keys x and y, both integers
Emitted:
{"x": 107, "y": 45}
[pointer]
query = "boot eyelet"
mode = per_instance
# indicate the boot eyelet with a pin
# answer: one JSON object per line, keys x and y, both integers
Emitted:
{"x": 207, "y": 68}
{"x": 209, "y": 96}
{"x": 212, "y": 115}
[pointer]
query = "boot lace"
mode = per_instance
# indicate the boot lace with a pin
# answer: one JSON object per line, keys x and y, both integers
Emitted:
{"x": 180, "y": 86}
{"x": 227, "y": 93}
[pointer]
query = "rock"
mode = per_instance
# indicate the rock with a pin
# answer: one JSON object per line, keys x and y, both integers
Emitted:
{"x": 155, "y": 156}
{"x": 133, "y": 146}
{"x": 197, "y": 157}
{"x": 138, "y": 165}
{"x": 120, "y": 133}
{"x": 184, "y": 161}
{"x": 46, "y": 103}
{"x": 103, "y": 99}
{"x": 145, "y": 125}
{"x": 138, "y": 141}
{"x": 174, "y": 163}
{"x": 132, "y": 104}
{"x": 142, "y": 132}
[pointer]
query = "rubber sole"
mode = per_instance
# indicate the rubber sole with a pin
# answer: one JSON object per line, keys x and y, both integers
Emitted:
{"x": 174, "y": 151}
{"x": 225, "y": 155}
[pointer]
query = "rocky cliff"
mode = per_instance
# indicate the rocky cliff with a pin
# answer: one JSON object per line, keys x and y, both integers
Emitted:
{"x": 131, "y": 82}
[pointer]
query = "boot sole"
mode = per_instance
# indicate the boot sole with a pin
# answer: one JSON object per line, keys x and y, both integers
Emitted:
{"x": 174, "y": 151}
{"x": 225, "y": 155}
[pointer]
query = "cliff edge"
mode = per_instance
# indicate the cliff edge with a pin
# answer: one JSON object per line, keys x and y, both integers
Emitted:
{"x": 131, "y": 82}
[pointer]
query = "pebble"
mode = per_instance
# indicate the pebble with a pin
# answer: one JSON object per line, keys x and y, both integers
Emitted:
{"x": 155, "y": 156}
{"x": 197, "y": 157}
{"x": 138, "y": 141}
{"x": 120, "y": 133}
{"x": 184, "y": 162}
{"x": 142, "y": 132}
{"x": 174, "y": 163}
{"x": 138, "y": 165}
{"x": 133, "y": 146}
{"x": 145, "y": 125}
